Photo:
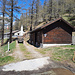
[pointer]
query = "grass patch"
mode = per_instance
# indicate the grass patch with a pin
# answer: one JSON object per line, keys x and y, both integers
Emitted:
{"x": 24, "y": 50}
{"x": 4, "y": 58}
{"x": 4, "y": 49}
{"x": 61, "y": 53}
{"x": 7, "y": 59}
{"x": 69, "y": 46}
{"x": 65, "y": 53}
{"x": 43, "y": 50}
{"x": 11, "y": 46}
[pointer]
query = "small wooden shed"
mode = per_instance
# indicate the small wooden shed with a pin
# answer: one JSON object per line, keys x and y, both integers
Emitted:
{"x": 56, "y": 32}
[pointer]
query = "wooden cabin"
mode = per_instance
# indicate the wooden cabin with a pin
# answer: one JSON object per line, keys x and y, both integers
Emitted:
{"x": 56, "y": 32}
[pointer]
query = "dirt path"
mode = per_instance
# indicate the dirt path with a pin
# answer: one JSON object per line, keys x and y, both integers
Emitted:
{"x": 34, "y": 53}
{"x": 18, "y": 53}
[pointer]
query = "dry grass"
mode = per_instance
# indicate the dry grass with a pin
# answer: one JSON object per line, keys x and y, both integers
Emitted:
{"x": 60, "y": 53}
{"x": 40, "y": 24}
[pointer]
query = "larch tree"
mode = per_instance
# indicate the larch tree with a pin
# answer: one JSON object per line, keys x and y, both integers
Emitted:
{"x": 12, "y": 6}
{"x": 11, "y": 20}
{"x": 3, "y": 7}
{"x": 37, "y": 11}
{"x": 50, "y": 7}
{"x": 32, "y": 13}
{"x": 45, "y": 11}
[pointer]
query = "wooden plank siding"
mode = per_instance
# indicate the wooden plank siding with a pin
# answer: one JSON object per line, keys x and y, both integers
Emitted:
{"x": 58, "y": 36}
{"x": 39, "y": 38}
{"x": 32, "y": 38}
{"x": 57, "y": 32}
{"x": 36, "y": 38}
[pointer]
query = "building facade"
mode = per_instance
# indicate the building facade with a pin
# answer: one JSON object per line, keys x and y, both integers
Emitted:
{"x": 56, "y": 32}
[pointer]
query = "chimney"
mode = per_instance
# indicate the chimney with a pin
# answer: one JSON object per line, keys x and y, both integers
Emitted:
{"x": 21, "y": 31}
{"x": 22, "y": 28}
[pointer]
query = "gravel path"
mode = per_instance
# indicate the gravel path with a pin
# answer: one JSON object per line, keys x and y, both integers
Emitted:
{"x": 34, "y": 53}
{"x": 18, "y": 53}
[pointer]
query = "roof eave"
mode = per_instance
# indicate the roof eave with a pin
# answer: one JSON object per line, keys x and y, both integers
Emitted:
{"x": 35, "y": 30}
{"x": 51, "y": 23}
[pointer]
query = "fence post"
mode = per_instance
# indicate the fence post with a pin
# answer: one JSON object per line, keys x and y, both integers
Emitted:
{"x": 8, "y": 46}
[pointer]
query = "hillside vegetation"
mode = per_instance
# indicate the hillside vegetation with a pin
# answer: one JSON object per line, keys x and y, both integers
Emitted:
{"x": 38, "y": 13}
{"x": 70, "y": 19}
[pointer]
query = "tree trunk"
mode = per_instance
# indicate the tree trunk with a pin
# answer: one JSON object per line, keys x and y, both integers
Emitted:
{"x": 2, "y": 41}
{"x": 32, "y": 11}
{"x": 11, "y": 27}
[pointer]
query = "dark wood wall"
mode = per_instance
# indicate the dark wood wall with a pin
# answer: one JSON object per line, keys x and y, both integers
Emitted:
{"x": 58, "y": 33}
{"x": 36, "y": 38}
{"x": 39, "y": 37}
{"x": 58, "y": 36}
{"x": 32, "y": 38}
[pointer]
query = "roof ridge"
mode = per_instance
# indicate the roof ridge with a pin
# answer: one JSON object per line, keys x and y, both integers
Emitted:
{"x": 51, "y": 22}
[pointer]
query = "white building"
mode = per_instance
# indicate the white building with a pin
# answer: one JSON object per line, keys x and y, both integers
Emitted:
{"x": 20, "y": 33}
